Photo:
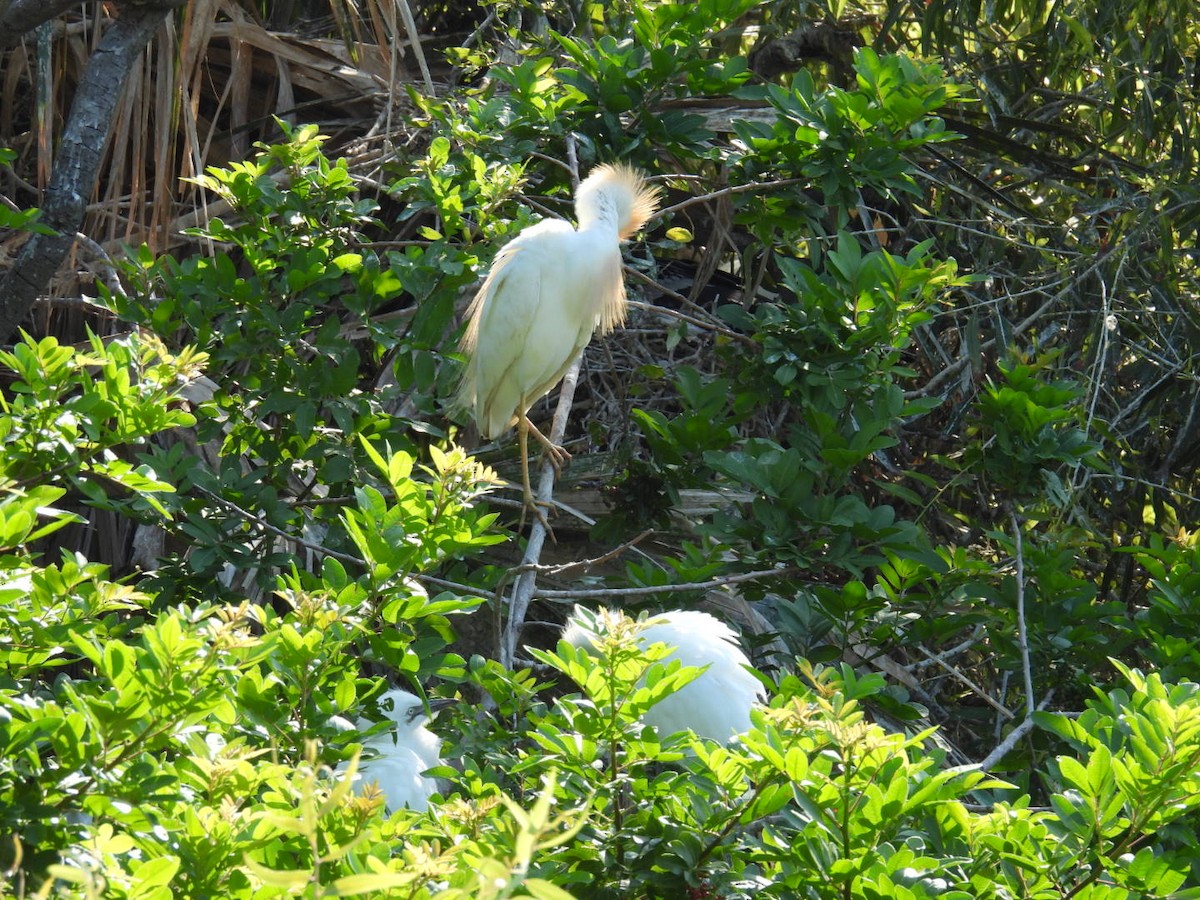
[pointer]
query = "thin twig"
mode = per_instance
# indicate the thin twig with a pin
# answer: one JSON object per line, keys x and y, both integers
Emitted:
{"x": 1022, "y": 635}
{"x": 676, "y": 314}
{"x": 478, "y": 32}
{"x": 572, "y": 161}
{"x": 950, "y": 652}
{"x": 712, "y": 583}
{"x": 726, "y": 191}
{"x": 931, "y": 386}
{"x": 257, "y": 521}
{"x": 458, "y": 587}
{"x": 112, "y": 278}
{"x": 553, "y": 160}
{"x": 976, "y": 689}
{"x": 590, "y": 563}
{"x": 1015, "y": 735}
{"x": 414, "y": 41}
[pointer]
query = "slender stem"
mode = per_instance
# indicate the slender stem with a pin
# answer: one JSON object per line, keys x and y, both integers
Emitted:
{"x": 599, "y": 593}
{"x": 1022, "y": 634}
{"x": 1013, "y": 736}
{"x": 962, "y": 677}
{"x": 756, "y": 186}
{"x": 522, "y": 593}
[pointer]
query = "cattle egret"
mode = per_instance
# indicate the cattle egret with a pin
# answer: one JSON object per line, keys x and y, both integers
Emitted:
{"x": 402, "y": 752}
{"x": 717, "y": 704}
{"x": 549, "y": 289}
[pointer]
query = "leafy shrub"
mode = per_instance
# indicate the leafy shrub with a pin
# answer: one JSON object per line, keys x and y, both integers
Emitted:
{"x": 178, "y": 735}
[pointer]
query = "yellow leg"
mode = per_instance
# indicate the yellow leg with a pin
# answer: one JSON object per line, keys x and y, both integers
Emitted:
{"x": 529, "y": 503}
{"x": 523, "y": 428}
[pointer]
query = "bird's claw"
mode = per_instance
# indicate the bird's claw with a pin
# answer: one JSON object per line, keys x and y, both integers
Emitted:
{"x": 539, "y": 508}
{"x": 557, "y": 457}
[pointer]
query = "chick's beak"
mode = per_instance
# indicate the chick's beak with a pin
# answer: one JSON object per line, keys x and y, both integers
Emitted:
{"x": 436, "y": 705}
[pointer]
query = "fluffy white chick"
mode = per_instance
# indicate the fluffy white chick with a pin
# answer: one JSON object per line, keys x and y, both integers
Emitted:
{"x": 717, "y": 704}
{"x": 397, "y": 757}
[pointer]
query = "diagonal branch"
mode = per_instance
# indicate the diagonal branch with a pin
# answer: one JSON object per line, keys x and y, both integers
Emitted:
{"x": 76, "y": 169}
{"x": 19, "y": 17}
{"x": 522, "y": 593}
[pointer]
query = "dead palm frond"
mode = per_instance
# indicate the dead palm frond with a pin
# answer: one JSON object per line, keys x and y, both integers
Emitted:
{"x": 209, "y": 85}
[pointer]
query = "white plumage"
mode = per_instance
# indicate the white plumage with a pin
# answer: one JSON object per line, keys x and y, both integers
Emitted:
{"x": 717, "y": 704}
{"x": 548, "y": 292}
{"x": 401, "y": 753}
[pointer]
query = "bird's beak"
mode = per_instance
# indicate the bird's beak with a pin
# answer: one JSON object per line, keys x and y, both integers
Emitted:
{"x": 436, "y": 704}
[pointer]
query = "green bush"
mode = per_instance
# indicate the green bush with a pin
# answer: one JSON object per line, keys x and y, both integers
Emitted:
{"x": 182, "y": 732}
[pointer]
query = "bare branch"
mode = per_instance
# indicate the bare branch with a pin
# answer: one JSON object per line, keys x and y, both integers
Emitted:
{"x": 598, "y": 593}
{"x": 1015, "y": 735}
{"x": 724, "y": 192}
{"x": 1022, "y": 634}
{"x": 19, "y": 17}
{"x": 76, "y": 168}
{"x": 522, "y": 592}
{"x": 586, "y": 564}
{"x": 962, "y": 677}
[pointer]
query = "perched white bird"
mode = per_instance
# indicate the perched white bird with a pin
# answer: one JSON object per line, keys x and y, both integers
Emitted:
{"x": 717, "y": 704}
{"x": 402, "y": 752}
{"x": 548, "y": 291}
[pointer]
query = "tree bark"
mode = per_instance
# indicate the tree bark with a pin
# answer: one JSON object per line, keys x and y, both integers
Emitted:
{"x": 81, "y": 150}
{"x": 18, "y": 17}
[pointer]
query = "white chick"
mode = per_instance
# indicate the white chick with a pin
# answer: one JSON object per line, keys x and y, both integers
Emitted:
{"x": 402, "y": 753}
{"x": 717, "y": 704}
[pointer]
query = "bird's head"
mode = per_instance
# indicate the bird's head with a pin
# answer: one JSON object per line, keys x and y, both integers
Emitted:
{"x": 408, "y": 710}
{"x": 618, "y": 194}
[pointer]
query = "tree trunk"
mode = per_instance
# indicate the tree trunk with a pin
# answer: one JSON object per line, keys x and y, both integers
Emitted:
{"x": 81, "y": 149}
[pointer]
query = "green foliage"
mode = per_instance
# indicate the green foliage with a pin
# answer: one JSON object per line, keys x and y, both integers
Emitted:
{"x": 71, "y": 411}
{"x": 839, "y": 143}
{"x": 268, "y": 312}
{"x": 656, "y": 60}
{"x": 850, "y": 459}
{"x": 817, "y": 802}
{"x": 833, "y": 350}
{"x": 188, "y": 752}
{"x": 832, "y": 347}
{"x": 706, "y": 422}
{"x": 184, "y": 732}
{"x": 19, "y": 219}
{"x": 1029, "y": 433}
{"x": 274, "y": 312}
{"x": 1137, "y": 774}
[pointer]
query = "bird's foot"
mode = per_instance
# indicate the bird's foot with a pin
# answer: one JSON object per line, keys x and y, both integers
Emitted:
{"x": 539, "y": 508}
{"x": 557, "y": 457}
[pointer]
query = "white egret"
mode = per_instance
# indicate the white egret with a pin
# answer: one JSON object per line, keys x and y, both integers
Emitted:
{"x": 402, "y": 752}
{"x": 717, "y": 704}
{"x": 549, "y": 289}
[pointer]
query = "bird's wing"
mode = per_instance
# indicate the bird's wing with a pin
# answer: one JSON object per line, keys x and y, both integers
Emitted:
{"x": 508, "y": 306}
{"x": 531, "y": 317}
